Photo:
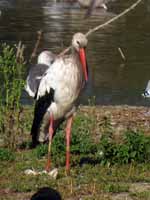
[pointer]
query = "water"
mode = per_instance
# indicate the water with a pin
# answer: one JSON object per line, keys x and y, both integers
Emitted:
{"x": 112, "y": 80}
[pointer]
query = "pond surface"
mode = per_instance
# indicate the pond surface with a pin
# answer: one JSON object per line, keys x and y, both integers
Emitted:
{"x": 112, "y": 80}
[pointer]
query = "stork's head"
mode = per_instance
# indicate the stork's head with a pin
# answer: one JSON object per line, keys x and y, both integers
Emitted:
{"x": 79, "y": 43}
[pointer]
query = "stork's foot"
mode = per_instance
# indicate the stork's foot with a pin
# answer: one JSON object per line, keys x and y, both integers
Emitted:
{"x": 53, "y": 173}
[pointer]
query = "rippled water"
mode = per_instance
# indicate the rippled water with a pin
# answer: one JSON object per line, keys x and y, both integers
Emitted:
{"x": 112, "y": 80}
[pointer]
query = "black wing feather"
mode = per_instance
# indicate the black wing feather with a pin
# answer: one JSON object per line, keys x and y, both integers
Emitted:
{"x": 41, "y": 107}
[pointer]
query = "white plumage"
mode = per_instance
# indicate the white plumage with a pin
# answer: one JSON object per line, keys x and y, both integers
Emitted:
{"x": 66, "y": 81}
{"x": 146, "y": 93}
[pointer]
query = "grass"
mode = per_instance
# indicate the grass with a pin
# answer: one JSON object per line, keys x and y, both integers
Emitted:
{"x": 93, "y": 175}
{"x": 141, "y": 195}
{"x": 84, "y": 181}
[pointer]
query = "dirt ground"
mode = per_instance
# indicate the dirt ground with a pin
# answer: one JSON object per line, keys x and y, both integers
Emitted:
{"x": 120, "y": 117}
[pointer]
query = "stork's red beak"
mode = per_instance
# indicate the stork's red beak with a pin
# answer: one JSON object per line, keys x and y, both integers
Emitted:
{"x": 83, "y": 62}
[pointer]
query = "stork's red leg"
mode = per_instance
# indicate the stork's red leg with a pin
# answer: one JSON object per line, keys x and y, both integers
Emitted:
{"x": 51, "y": 131}
{"x": 68, "y": 137}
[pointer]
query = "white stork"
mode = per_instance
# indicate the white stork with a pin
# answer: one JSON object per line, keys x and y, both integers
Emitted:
{"x": 56, "y": 96}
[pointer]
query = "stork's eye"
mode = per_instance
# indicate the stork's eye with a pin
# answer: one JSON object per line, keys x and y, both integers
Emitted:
{"x": 78, "y": 43}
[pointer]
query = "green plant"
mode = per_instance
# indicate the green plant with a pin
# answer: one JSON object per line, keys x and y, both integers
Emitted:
{"x": 138, "y": 146}
{"x": 135, "y": 147}
{"x": 11, "y": 71}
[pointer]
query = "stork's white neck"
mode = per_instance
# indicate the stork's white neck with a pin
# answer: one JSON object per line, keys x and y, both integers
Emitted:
{"x": 76, "y": 56}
